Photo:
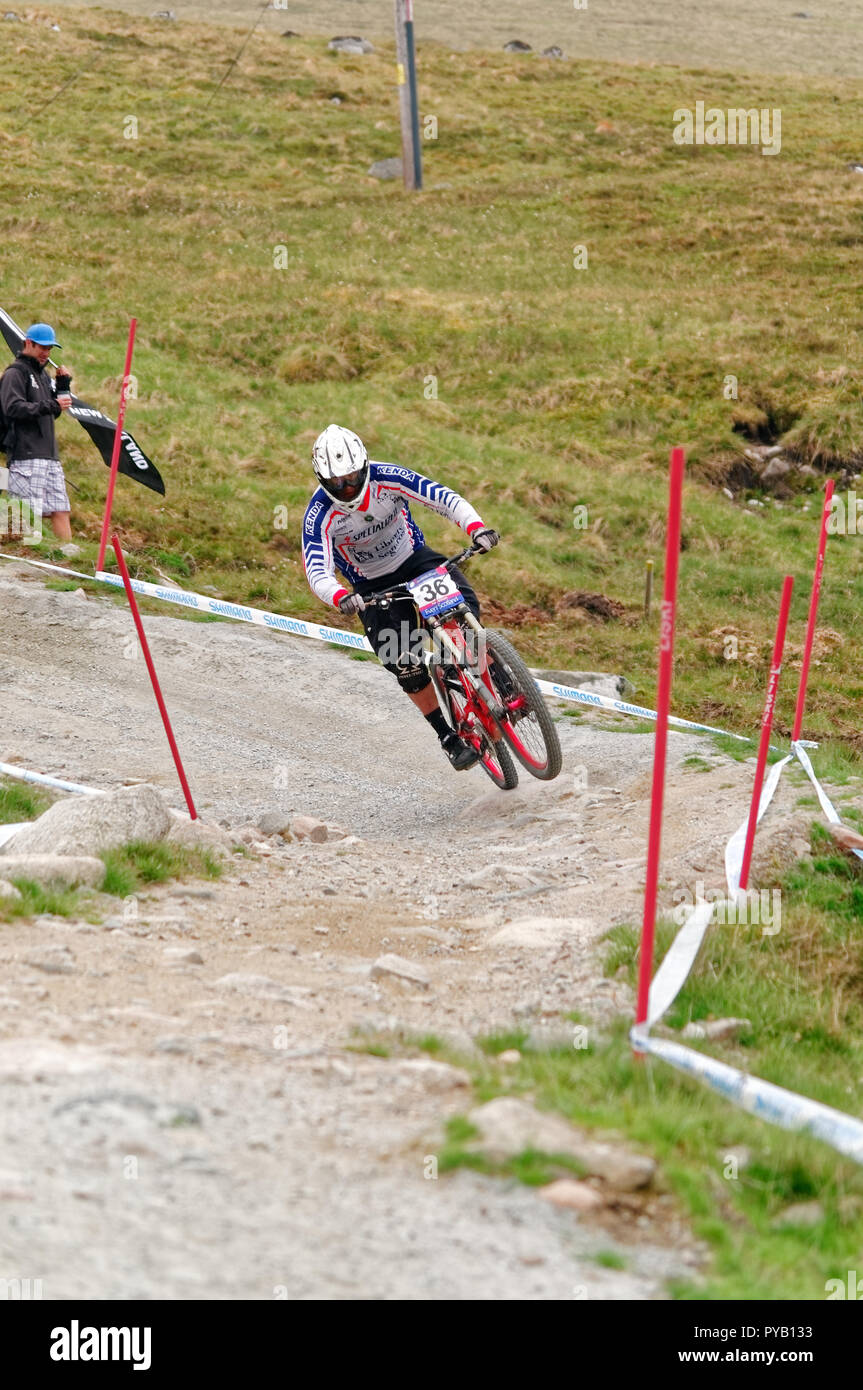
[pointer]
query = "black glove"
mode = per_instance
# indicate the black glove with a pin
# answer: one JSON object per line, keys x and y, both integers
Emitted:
{"x": 485, "y": 539}
{"x": 351, "y": 603}
{"x": 62, "y": 383}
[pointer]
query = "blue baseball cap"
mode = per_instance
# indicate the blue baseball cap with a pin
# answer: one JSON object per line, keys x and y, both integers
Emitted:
{"x": 43, "y": 334}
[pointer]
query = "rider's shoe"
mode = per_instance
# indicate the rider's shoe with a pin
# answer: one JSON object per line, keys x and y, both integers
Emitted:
{"x": 460, "y": 754}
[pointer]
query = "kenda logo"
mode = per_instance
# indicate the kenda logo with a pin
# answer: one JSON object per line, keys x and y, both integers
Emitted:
{"x": 576, "y": 695}
{"x": 849, "y": 1287}
{"x": 736, "y": 126}
{"x": 285, "y": 624}
{"x": 75, "y": 1343}
{"x": 311, "y": 517}
{"x": 393, "y": 471}
{"x": 177, "y": 596}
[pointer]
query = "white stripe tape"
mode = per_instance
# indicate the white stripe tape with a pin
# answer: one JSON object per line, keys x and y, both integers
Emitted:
{"x": 10, "y": 770}
{"x": 241, "y": 612}
{"x": 736, "y": 845}
{"x": 587, "y": 697}
{"x": 826, "y": 804}
{"x": 678, "y": 961}
{"x": 761, "y": 1098}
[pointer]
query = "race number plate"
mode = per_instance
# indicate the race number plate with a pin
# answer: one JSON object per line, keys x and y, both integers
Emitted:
{"x": 435, "y": 592}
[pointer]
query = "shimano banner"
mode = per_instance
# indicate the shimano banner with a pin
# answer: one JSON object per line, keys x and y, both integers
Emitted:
{"x": 133, "y": 461}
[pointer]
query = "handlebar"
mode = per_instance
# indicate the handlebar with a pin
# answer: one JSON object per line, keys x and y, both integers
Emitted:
{"x": 386, "y": 596}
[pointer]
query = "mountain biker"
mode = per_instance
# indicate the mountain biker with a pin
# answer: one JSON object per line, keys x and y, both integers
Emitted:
{"x": 358, "y": 525}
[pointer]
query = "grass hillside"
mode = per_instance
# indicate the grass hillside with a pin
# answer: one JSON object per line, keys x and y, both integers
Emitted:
{"x": 556, "y": 387}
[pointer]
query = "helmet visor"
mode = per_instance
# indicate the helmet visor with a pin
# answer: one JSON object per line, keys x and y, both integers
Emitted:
{"x": 348, "y": 487}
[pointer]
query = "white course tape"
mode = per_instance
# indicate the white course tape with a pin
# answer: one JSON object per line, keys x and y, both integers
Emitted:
{"x": 826, "y": 804}
{"x": 734, "y": 848}
{"x": 678, "y": 961}
{"x": 241, "y": 612}
{"x": 587, "y": 697}
{"x": 10, "y": 770}
{"x": 761, "y": 1098}
{"x": 844, "y": 1133}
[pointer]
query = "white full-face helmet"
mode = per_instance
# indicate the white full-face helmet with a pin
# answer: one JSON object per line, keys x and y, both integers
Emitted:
{"x": 341, "y": 466}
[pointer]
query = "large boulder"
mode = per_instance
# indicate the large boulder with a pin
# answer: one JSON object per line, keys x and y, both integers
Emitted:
{"x": 89, "y": 824}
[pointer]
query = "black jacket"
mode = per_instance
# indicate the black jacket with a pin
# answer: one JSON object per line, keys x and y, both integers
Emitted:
{"x": 29, "y": 404}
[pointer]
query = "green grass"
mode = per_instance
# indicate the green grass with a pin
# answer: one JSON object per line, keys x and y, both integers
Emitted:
{"x": 610, "y": 1259}
{"x": 36, "y": 899}
{"x": 127, "y": 869}
{"x": 556, "y": 387}
{"x": 140, "y": 863}
{"x": 802, "y": 989}
{"x": 20, "y": 801}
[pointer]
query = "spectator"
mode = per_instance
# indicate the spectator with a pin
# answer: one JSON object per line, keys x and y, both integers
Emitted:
{"x": 31, "y": 402}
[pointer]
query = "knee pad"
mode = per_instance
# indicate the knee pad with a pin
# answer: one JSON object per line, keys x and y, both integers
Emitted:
{"x": 411, "y": 674}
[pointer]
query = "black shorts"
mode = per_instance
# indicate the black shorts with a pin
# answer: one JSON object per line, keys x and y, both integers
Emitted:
{"x": 397, "y": 630}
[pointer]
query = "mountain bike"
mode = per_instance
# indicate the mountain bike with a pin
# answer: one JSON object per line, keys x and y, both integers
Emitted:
{"x": 484, "y": 689}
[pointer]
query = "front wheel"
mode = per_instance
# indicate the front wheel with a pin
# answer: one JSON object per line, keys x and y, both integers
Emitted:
{"x": 527, "y": 725}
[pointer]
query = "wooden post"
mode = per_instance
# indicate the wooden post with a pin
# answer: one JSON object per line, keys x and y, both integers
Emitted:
{"x": 407, "y": 83}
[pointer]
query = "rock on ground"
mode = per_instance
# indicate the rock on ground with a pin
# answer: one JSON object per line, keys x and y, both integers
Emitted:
{"x": 89, "y": 824}
{"x": 508, "y": 1126}
{"x": 396, "y": 967}
{"x": 350, "y": 43}
{"x": 72, "y": 869}
{"x": 198, "y": 834}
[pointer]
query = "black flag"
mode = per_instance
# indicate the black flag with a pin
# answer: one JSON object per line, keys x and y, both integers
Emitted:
{"x": 133, "y": 461}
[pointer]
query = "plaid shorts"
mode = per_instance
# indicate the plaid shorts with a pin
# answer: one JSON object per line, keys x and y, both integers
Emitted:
{"x": 39, "y": 480}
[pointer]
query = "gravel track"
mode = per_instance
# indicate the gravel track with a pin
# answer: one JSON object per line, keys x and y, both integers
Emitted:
{"x": 296, "y": 1168}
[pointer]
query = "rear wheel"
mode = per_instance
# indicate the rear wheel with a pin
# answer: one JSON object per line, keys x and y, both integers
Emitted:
{"x": 494, "y": 757}
{"x": 527, "y": 725}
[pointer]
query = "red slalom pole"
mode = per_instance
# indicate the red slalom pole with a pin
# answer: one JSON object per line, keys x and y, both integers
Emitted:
{"x": 766, "y": 723}
{"x": 813, "y": 612}
{"x": 130, "y": 594}
{"x": 663, "y": 700}
{"x": 118, "y": 439}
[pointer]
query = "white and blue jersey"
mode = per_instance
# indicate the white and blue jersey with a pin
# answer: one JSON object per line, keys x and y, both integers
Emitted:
{"x": 380, "y": 535}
